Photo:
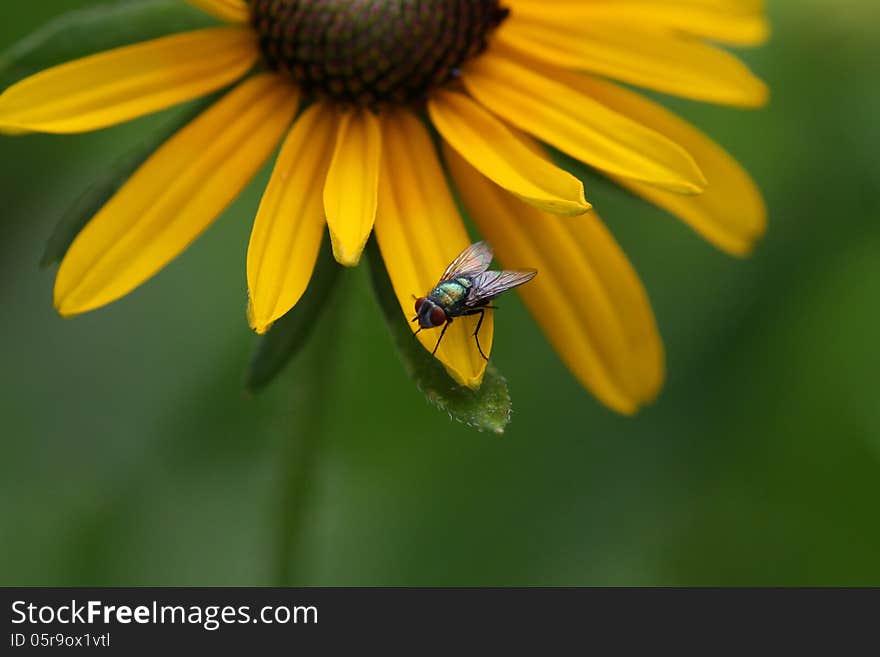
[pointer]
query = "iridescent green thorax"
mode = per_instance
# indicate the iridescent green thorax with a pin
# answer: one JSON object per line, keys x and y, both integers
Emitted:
{"x": 371, "y": 52}
{"x": 449, "y": 295}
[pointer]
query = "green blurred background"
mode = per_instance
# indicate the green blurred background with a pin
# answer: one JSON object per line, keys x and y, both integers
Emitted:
{"x": 131, "y": 456}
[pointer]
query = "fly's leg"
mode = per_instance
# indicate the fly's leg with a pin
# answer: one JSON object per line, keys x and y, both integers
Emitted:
{"x": 477, "y": 334}
{"x": 442, "y": 333}
{"x": 482, "y": 313}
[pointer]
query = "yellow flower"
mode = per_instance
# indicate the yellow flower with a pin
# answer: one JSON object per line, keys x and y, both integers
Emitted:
{"x": 347, "y": 87}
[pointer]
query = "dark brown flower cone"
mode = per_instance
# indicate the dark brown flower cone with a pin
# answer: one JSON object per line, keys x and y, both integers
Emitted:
{"x": 373, "y": 52}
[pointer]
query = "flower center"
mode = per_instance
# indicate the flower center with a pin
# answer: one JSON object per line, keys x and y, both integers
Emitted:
{"x": 372, "y": 52}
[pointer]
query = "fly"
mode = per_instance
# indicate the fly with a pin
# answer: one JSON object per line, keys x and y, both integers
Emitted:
{"x": 467, "y": 288}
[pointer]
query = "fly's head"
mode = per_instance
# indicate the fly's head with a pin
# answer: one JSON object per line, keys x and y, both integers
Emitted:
{"x": 429, "y": 314}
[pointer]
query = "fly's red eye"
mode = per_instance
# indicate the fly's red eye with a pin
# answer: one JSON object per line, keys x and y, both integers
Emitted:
{"x": 419, "y": 303}
{"x": 438, "y": 317}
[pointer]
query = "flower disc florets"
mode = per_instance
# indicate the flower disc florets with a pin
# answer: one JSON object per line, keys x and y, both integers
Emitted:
{"x": 372, "y": 52}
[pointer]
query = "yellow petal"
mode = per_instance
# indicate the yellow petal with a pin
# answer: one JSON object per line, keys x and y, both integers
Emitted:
{"x": 125, "y": 83}
{"x": 489, "y": 145}
{"x": 649, "y": 58}
{"x": 231, "y": 11}
{"x": 576, "y": 124}
{"x": 290, "y": 223}
{"x": 730, "y": 22}
{"x": 350, "y": 192}
{"x": 731, "y": 212}
{"x": 175, "y": 195}
{"x": 420, "y": 232}
{"x": 586, "y": 296}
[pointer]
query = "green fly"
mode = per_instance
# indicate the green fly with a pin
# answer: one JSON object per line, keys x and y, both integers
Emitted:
{"x": 467, "y": 288}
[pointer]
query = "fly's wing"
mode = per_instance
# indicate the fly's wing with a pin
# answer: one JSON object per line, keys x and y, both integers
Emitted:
{"x": 490, "y": 284}
{"x": 472, "y": 261}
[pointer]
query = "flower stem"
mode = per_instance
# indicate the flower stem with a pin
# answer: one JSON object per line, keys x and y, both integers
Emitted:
{"x": 299, "y": 453}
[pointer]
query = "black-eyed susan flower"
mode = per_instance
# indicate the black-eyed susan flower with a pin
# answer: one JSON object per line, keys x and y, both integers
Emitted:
{"x": 349, "y": 90}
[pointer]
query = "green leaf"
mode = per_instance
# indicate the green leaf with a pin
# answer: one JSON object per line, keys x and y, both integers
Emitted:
{"x": 290, "y": 333}
{"x": 106, "y": 185}
{"x": 87, "y": 31}
{"x": 486, "y": 409}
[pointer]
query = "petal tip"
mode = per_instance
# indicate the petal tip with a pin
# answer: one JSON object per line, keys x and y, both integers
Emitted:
{"x": 473, "y": 382}
{"x": 66, "y": 310}
{"x": 58, "y": 301}
{"x": 764, "y": 94}
{"x": 260, "y": 326}
{"x": 626, "y": 408}
{"x": 345, "y": 256}
{"x": 741, "y": 249}
{"x": 755, "y": 97}
{"x": 762, "y": 34}
{"x": 653, "y": 392}
{"x": 258, "y": 321}
{"x": 64, "y": 314}
{"x": 583, "y": 207}
{"x": 573, "y": 208}
{"x": 466, "y": 379}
